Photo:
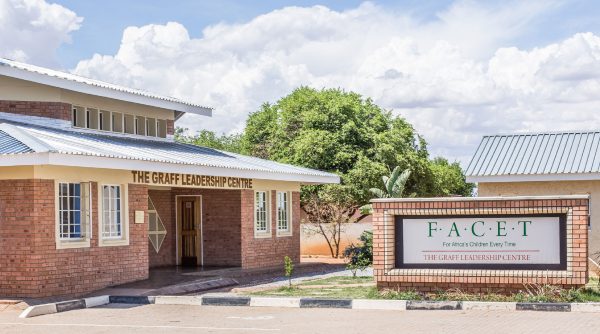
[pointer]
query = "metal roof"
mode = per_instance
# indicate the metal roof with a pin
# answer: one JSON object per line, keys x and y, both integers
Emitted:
{"x": 574, "y": 152}
{"x": 10, "y": 145}
{"x": 81, "y": 84}
{"x": 49, "y": 140}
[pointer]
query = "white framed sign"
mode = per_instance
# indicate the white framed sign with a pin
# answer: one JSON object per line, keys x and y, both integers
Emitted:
{"x": 481, "y": 242}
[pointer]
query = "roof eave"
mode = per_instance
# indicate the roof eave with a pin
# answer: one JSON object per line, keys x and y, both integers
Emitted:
{"x": 508, "y": 178}
{"x": 85, "y": 88}
{"x": 71, "y": 160}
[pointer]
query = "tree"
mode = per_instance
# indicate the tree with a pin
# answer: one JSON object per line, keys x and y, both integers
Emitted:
{"x": 340, "y": 132}
{"x": 206, "y": 138}
{"x": 449, "y": 179}
{"x": 328, "y": 213}
{"x": 393, "y": 187}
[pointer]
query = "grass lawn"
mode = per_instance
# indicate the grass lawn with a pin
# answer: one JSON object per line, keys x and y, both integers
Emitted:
{"x": 337, "y": 287}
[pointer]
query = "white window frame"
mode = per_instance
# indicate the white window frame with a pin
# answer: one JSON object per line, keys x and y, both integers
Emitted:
{"x": 122, "y": 240}
{"x": 288, "y": 207}
{"x": 260, "y": 233}
{"x": 86, "y": 226}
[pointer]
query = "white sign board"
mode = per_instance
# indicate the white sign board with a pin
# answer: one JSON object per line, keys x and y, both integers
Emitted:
{"x": 481, "y": 240}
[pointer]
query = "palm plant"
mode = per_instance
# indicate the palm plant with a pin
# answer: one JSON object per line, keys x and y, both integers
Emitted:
{"x": 393, "y": 187}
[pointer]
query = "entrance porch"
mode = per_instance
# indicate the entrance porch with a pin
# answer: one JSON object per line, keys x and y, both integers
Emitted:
{"x": 214, "y": 228}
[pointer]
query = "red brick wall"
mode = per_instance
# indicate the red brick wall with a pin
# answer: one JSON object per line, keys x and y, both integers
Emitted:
{"x": 57, "y": 110}
{"x": 170, "y": 127}
{"x": 30, "y": 264}
{"x": 19, "y": 258}
{"x": 266, "y": 252}
{"x": 228, "y": 226}
{"x": 478, "y": 280}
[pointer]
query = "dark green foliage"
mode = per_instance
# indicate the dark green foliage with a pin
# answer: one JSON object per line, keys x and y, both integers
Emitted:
{"x": 344, "y": 133}
{"x": 205, "y": 138}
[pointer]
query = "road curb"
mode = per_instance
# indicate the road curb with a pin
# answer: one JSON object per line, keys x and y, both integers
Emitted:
{"x": 548, "y": 307}
{"x": 325, "y": 303}
{"x": 412, "y": 305}
{"x": 302, "y": 302}
{"x": 69, "y": 305}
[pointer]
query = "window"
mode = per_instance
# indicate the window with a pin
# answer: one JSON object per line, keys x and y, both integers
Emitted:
{"x": 129, "y": 124}
{"x": 156, "y": 229}
{"x": 111, "y": 212}
{"x": 74, "y": 214}
{"x": 261, "y": 213}
{"x": 97, "y": 119}
{"x": 105, "y": 120}
{"x": 78, "y": 118}
{"x": 283, "y": 213}
{"x": 117, "y": 122}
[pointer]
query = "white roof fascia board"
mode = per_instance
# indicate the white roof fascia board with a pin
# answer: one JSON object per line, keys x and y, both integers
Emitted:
{"x": 59, "y": 159}
{"x": 483, "y": 198}
{"x": 534, "y": 177}
{"x": 24, "y": 159}
{"x": 101, "y": 91}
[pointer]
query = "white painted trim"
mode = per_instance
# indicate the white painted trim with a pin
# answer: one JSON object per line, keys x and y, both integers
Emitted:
{"x": 290, "y": 230}
{"x": 112, "y": 93}
{"x": 268, "y": 198}
{"x": 534, "y": 177}
{"x": 123, "y": 240}
{"x": 469, "y": 199}
{"x": 61, "y": 159}
{"x": 75, "y": 243}
{"x": 201, "y": 237}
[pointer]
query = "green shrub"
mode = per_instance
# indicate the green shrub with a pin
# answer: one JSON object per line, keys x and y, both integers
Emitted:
{"x": 360, "y": 257}
{"x": 288, "y": 268}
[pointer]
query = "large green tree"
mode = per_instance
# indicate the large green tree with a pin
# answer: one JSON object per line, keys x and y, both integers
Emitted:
{"x": 340, "y": 132}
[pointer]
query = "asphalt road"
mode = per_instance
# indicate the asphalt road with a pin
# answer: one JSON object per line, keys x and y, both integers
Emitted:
{"x": 203, "y": 319}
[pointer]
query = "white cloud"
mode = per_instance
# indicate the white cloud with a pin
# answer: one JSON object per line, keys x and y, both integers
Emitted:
{"x": 32, "y": 30}
{"x": 453, "y": 77}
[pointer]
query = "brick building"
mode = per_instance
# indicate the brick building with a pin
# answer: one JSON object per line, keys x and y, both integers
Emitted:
{"x": 94, "y": 191}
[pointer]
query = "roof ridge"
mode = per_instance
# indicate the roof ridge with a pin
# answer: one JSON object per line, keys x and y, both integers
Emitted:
{"x": 541, "y": 133}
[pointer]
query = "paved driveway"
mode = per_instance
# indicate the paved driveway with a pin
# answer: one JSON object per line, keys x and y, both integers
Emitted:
{"x": 204, "y": 319}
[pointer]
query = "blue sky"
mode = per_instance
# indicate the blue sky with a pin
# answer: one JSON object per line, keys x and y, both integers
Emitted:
{"x": 104, "y": 21}
{"x": 455, "y": 69}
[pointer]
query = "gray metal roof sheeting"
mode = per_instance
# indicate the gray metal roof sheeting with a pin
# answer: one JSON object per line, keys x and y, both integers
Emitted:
{"x": 72, "y": 142}
{"x": 92, "y": 82}
{"x": 541, "y": 153}
{"x": 10, "y": 145}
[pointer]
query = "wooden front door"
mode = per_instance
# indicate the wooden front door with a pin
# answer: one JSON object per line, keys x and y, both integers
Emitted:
{"x": 188, "y": 218}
